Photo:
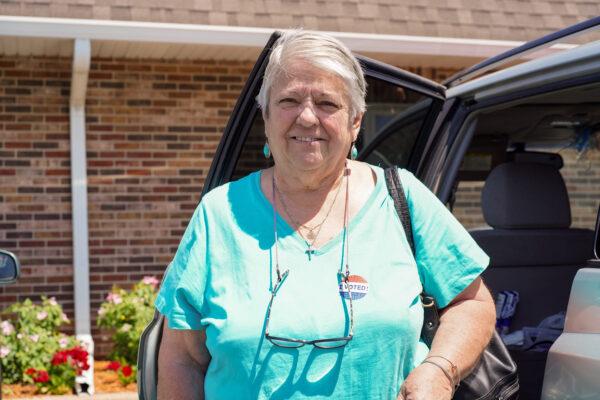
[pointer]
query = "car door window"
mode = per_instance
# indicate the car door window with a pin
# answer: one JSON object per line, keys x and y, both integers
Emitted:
{"x": 251, "y": 157}
{"x": 394, "y": 143}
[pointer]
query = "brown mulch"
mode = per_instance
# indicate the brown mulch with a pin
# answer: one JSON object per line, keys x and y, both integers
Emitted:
{"x": 17, "y": 391}
{"x": 105, "y": 381}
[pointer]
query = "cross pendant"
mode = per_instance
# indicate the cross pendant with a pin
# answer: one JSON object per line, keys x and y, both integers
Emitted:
{"x": 309, "y": 252}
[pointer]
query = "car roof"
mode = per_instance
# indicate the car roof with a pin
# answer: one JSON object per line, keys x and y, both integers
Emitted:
{"x": 579, "y": 61}
{"x": 510, "y": 56}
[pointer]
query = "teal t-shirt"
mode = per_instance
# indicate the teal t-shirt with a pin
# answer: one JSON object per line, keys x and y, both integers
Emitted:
{"x": 221, "y": 276}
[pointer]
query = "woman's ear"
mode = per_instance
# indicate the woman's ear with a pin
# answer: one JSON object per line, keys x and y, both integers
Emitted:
{"x": 356, "y": 126}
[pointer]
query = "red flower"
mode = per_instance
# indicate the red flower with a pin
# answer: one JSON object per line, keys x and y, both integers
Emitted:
{"x": 78, "y": 353}
{"x": 84, "y": 366}
{"x": 30, "y": 371}
{"x": 42, "y": 376}
{"x": 127, "y": 371}
{"x": 113, "y": 365}
{"x": 59, "y": 358}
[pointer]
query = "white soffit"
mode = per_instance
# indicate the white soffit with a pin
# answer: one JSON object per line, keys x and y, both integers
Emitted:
{"x": 34, "y": 36}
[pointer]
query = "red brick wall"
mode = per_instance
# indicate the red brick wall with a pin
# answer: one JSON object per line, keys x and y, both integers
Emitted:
{"x": 152, "y": 129}
{"x": 35, "y": 199}
{"x": 582, "y": 177}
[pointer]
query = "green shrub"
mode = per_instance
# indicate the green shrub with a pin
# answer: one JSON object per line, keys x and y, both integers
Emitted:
{"x": 127, "y": 313}
{"x": 31, "y": 337}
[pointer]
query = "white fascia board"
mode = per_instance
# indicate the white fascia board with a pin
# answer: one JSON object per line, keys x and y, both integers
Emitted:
{"x": 133, "y": 31}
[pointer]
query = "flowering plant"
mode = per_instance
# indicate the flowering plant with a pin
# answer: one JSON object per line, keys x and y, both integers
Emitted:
{"x": 128, "y": 313}
{"x": 31, "y": 338}
{"x": 126, "y": 373}
{"x": 60, "y": 377}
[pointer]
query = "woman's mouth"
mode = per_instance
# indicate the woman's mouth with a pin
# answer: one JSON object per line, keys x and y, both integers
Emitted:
{"x": 306, "y": 139}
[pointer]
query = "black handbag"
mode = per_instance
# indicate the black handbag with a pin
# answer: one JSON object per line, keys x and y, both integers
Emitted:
{"x": 495, "y": 374}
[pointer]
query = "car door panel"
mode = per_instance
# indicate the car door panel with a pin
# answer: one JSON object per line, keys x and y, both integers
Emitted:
{"x": 573, "y": 364}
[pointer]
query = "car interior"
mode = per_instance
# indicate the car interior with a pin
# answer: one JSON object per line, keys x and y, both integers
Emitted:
{"x": 515, "y": 191}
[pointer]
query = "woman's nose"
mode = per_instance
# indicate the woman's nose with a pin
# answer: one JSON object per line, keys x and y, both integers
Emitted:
{"x": 307, "y": 116}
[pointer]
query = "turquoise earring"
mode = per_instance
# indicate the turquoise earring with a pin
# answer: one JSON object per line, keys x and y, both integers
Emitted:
{"x": 353, "y": 152}
{"x": 267, "y": 150}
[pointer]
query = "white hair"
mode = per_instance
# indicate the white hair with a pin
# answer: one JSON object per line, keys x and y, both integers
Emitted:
{"x": 322, "y": 51}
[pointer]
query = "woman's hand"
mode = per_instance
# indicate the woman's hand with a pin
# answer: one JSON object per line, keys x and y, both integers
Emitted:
{"x": 466, "y": 326}
{"x": 426, "y": 382}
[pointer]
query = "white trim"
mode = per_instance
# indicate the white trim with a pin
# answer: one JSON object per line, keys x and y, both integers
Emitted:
{"x": 81, "y": 66}
{"x": 133, "y": 31}
{"x": 82, "y": 55}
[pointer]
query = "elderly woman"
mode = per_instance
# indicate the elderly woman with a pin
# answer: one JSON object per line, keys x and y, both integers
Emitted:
{"x": 297, "y": 281}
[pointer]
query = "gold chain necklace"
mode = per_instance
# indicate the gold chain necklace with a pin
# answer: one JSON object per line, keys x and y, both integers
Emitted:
{"x": 310, "y": 238}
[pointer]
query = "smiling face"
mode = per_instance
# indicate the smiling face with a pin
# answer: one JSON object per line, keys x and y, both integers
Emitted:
{"x": 309, "y": 125}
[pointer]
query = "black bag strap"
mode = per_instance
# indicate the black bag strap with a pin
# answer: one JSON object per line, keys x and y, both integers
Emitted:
{"x": 431, "y": 317}
{"x": 397, "y": 192}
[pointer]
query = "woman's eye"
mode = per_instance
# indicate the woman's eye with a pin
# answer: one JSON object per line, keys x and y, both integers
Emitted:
{"x": 328, "y": 104}
{"x": 288, "y": 100}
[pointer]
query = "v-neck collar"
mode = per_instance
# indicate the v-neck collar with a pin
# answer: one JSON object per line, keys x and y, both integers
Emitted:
{"x": 285, "y": 230}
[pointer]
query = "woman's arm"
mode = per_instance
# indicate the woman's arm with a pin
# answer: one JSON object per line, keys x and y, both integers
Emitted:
{"x": 182, "y": 363}
{"x": 466, "y": 327}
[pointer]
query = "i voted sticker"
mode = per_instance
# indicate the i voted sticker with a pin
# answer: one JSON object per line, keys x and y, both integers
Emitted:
{"x": 359, "y": 287}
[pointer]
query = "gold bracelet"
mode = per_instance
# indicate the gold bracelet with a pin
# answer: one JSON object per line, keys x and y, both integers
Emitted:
{"x": 453, "y": 368}
{"x": 444, "y": 371}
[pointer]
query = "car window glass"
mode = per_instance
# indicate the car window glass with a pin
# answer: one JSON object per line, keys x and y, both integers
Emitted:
{"x": 252, "y": 158}
{"x": 563, "y": 123}
{"x": 581, "y": 178}
{"x": 398, "y": 137}
{"x": 391, "y": 124}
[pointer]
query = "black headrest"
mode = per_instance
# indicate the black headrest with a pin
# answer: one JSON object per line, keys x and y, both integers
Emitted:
{"x": 537, "y": 157}
{"x": 525, "y": 196}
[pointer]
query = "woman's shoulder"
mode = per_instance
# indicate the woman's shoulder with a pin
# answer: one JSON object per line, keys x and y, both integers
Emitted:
{"x": 406, "y": 177}
{"x": 228, "y": 198}
{"x": 234, "y": 188}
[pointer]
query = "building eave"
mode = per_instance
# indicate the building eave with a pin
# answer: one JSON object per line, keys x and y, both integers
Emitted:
{"x": 26, "y": 36}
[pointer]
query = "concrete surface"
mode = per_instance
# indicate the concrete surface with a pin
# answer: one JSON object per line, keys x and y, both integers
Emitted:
{"x": 100, "y": 396}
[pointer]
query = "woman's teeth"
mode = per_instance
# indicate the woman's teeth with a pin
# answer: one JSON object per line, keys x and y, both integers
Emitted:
{"x": 306, "y": 139}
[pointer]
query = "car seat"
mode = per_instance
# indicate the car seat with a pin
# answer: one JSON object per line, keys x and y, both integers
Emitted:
{"x": 532, "y": 250}
{"x": 531, "y": 245}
